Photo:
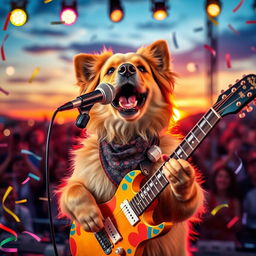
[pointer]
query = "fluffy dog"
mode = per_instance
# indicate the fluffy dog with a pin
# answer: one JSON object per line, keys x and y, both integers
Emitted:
{"x": 142, "y": 109}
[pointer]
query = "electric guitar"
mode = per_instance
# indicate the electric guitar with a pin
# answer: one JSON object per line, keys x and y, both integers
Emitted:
{"x": 128, "y": 215}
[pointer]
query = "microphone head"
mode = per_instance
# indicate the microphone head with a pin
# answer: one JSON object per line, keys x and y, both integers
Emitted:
{"x": 108, "y": 92}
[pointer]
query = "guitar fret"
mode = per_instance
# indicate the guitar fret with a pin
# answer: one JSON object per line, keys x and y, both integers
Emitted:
{"x": 189, "y": 144}
{"x": 141, "y": 199}
{"x": 207, "y": 122}
{"x": 195, "y": 136}
{"x": 201, "y": 130}
{"x": 183, "y": 150}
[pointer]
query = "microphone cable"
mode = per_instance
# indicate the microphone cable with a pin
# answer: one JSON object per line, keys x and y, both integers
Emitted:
{"x": 47, "y": 180}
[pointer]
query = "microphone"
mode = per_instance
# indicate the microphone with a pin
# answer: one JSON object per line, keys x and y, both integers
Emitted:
{"x": 104, "y": 93}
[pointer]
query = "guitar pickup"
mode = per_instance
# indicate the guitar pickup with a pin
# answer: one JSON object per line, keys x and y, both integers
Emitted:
{"x": 129, "y": 213}
{"x": 104, "y": 242}
{"x": 111, "y": 230}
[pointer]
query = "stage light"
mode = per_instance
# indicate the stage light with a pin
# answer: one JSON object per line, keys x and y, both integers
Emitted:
{"x": 159, "y": 9}
{"x": 213, "y": 7}
{"x": 18, "y": 15}
{"x": 116, "y": 12}
{"x": 69, "y": 13}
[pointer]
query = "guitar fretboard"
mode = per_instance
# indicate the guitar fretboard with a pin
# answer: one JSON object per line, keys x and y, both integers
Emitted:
{"x": 157, "y": 182}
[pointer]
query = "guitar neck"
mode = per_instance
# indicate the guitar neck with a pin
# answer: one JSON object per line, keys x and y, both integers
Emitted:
{"x": 157, "y": 182}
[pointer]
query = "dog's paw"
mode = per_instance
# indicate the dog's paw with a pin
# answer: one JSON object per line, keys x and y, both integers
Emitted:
{"x": 89, "y": 216}
{"x": 181, "y": 176}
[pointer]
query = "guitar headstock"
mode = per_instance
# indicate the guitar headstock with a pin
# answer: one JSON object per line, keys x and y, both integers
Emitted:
{"x": 237, "y": 97}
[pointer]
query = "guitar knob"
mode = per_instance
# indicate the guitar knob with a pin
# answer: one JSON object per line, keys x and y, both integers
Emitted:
{"x": 119, "y": 250}
{"x": 241, "y": 114}
{"x": 249, "y": 109}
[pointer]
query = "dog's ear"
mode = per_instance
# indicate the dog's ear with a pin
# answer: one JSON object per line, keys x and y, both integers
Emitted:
{"x": 158, "y": 53}
{"x": 87, "y": 68}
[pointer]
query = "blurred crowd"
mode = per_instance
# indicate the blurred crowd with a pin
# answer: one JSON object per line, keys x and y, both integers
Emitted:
{"x": 226, "y": 158}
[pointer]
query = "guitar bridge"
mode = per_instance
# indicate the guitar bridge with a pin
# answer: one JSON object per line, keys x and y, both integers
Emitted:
{"x": 104, "y": 242}
{"x": 129, "y": 213}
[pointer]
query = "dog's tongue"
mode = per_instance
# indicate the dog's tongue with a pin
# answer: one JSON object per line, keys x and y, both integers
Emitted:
{"x": 131, "y": 102}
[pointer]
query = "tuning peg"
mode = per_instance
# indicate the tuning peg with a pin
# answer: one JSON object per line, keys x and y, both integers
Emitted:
{"x": 249, "y": 109}
{"x": 222, "y": 91}
{"x": 230, "y": 85}
{"x": 244, "y": 75}
{"x": 237, "y": 80}
{"x": 241, "y": 114}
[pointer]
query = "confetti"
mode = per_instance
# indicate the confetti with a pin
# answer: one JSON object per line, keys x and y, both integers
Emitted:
{"x": 21, "y": 201}
{"x": 210, "y": 49}
{"x": 175, "y": 40}
{"x": 8, "y": 230}
{"x": 227, "y": 57}
{"x": 7, "y": 240}
{"x": 57, "y": 22}
{"x": 38, "y": 239}
{"x": 198, "y": 29}
{"x": 47, "y": 1}
{"x": 233, "y": 29}
{"x": 25, "y": 181}
{"x": 33, "y": 176}
{"x": 7, "y": 21}
{"x": 43, "y": 198}
{"x": 250, "y": 22}
{"x": 239, "y": 168}
{"x": 34, "y": 74}
{"x": 4, "y": 91}
{"x": 215, "y": 22}
{"x": 233, "y": 222}
{"x": 217, "y": 208}
{"x": 238, "y": 6}
{"x": 3, "y": 145}
{"x": 2, "y": 47}
{"x": 25, "y": 151}
{"x": 7, "y": 192}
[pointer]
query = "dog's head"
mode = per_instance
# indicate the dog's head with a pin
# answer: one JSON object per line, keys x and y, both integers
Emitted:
{"x": 143, "y": 83}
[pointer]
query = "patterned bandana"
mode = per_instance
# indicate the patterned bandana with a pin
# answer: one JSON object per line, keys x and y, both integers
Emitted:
{"x": 117, "y": 160}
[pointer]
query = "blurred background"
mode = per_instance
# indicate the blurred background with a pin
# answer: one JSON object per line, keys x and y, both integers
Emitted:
{"x": 212, "y": 43}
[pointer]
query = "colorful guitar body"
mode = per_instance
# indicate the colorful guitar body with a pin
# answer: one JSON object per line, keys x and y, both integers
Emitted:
{"x": 85, "y": 243}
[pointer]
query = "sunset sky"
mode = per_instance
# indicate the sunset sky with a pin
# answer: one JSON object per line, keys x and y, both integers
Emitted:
{"x": 52, "y": 47}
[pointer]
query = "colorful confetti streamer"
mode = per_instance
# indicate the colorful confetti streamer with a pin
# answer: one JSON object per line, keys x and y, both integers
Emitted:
{"x": 4, "y": 91}
{"x": 175, "y": 40}
{"x": 57, "y": 22}
{"x": 8, "y": 230}
{"x": 217, "y": 208}
{"x": 34, "y": 74}
{"x": 210, "y": 49}
{"x": 198, "y": 29}
{"x": 238, "y": 6}
{"x": 228, "y": 62}
{"x": 233, "y": 29}
{"x": 21, "y": 201}
{"x": 232, "y": 222}
{"x": 43, "y": 198}
{"x": 25, "y": 181}
{"x": 250, "y": 22}
{"x": 239, "y": 168}
{"x": 7, "y": 192}
{"x": 7, "y": 21}
{"x": 215, "y": 22}
{"x": 25, "y": 151}
{"x": 2, "y": 48}
{"x": 33, "y": 176}
{"x": 38, "y": 239}
{"x": 47, "y": 1}
{"x": 7, "y": 240}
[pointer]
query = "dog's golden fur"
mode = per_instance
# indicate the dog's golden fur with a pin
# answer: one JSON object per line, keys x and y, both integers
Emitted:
{"x": 89, "y": 183}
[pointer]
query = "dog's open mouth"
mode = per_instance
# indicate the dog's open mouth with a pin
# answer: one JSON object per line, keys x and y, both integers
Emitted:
{"x": 129, "y": 100}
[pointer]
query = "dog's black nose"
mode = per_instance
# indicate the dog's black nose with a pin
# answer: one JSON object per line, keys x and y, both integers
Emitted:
{"x": 127, "y": 70}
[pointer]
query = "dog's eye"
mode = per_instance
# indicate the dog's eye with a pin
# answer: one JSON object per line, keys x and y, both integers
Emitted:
{"x": 110, "y": 70}
{"x": 142, "y": 68}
